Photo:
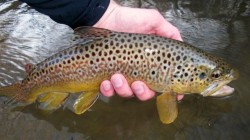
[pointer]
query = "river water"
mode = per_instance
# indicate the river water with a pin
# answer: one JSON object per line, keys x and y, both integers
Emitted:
{"x": 221, "y": 27}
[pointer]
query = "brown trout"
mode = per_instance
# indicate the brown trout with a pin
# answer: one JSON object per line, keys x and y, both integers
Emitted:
{"x": 167, "y": 66}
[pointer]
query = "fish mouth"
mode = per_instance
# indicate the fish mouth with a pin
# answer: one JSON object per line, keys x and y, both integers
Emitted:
{"x": 220, "y": 88}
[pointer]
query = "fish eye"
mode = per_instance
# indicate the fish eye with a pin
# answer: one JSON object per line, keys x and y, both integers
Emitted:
{"x": 216, "y": 74}
{"x": 202, "y": 75}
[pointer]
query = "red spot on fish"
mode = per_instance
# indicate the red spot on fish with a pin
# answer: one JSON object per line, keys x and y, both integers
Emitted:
{"x": 28, "y": 67}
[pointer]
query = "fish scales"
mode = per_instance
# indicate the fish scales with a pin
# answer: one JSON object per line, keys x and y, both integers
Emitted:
{"x": 165, "y": 65}
{"x": 144, "y": 58}
{"x": 139, "y": 57}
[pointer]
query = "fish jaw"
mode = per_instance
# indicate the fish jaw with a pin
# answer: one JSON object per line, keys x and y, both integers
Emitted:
{"x": 223, "y": 91}
{"x": 218, "y": 89}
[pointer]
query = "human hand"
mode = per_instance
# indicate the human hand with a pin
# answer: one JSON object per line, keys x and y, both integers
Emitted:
{"x": 134, "y": 20}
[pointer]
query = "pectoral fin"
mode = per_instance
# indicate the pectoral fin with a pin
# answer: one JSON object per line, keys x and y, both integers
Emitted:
{"x": 167, "y": 107}
{"x": 85, "y": 101}
{"x": 52, "y": 100}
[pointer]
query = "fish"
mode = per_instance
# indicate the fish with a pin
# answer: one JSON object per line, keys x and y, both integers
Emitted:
{"x": 168, "y": 67}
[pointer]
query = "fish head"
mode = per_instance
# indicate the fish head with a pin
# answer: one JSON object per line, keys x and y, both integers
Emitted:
{"x": 203, "y": 74}
{"x": 217, "y": 81}
{"x": 212, "y": 80}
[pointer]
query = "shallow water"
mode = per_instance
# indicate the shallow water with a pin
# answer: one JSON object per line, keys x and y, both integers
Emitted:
{"x": 220, "y": 27}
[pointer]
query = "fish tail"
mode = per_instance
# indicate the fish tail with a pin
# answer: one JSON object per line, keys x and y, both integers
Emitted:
{"x": 9, "y": 91}
{"x": 12, "y": 91}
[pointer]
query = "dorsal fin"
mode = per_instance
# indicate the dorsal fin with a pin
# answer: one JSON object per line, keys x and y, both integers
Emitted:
{"x": 86, "y": 34}
{"x": 29, "y": 67}
{"x": 93, "y": 32}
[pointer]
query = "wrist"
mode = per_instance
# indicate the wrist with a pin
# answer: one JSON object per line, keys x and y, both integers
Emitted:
{"x": 113, "y": 6}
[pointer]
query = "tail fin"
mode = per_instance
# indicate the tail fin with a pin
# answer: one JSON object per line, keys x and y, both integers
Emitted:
{"x": 10, "y": 91}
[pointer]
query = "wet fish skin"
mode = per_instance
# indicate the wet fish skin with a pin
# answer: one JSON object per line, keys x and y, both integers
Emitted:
{"x": 165, "y": 65}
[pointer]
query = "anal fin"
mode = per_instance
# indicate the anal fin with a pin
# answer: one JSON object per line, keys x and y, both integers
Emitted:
{"x": 85, "y": 101}
{"x": 52, "y": 100}
{"x": 167, "y": 107}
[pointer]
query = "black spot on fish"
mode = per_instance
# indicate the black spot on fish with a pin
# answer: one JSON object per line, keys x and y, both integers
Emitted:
{"x": 158, "y": 58}
{"x": 76, "y": 51}
{"x": 122, "y": 40}
{"x": 86, "y": 48}
{"x": 81, "y": 50}
{"x": 105, "y": 40}
{"x": 177, "y": 58}
{"x": 155, "y": 46}
{"x": 153, "y": 72}
{"x": 130, "y": 46}
{"x": 135, "y": 73}
{"x": 184, "y": 58}
{"x": 110, "y": 52}
{"x": 169, "y": 55}
{"x": 92, "y": 46}
{"x": 106, "y": 46}
{"x": 87, "y": 55}
{"x": 70, "y": 52}
{"x": 111, "y": 43}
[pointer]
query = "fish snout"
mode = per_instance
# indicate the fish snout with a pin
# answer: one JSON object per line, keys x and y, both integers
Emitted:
{"x": 234, "y": 74}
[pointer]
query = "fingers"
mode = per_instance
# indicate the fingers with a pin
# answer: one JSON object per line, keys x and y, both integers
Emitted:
{"x": 141, "y": 91}
{"x": 107, "y": 89}
{"x": 180, "y": 97}
{"x": 119, "y": 84}
{"x": 160, "y": 26}
{"x": 169, "y": 31}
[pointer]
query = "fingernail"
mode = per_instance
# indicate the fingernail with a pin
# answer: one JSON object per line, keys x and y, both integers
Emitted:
{"x": 106, "y": 86}
{"x": 117, "y": 82}
{"x": 139, "y": 89}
